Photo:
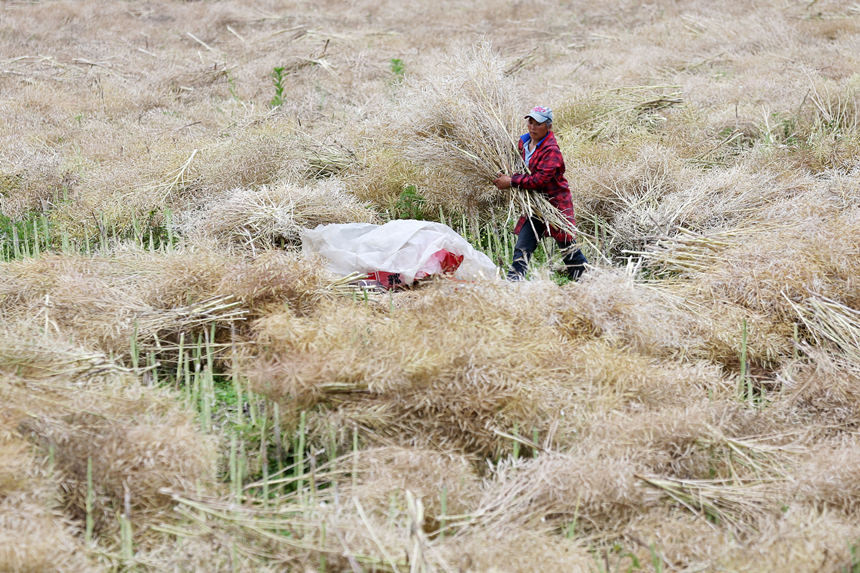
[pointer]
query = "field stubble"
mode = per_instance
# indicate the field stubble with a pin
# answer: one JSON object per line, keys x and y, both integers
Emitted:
{"x": 183, "y": 391}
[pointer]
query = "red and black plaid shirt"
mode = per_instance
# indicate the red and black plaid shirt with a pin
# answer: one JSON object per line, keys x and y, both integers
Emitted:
{"x": 547, "y": 176}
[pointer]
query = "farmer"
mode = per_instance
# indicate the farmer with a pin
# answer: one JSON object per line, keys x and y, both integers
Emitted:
{"x": 546, "y": 165}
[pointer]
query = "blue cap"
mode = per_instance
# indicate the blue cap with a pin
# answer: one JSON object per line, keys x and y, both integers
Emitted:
{"x": 540, "y": 114}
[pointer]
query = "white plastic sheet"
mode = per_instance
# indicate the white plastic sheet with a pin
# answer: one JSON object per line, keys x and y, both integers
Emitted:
{"x": 403, "y": 246}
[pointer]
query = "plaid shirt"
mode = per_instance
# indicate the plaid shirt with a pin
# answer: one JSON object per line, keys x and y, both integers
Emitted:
{"x": 547, "y": 176}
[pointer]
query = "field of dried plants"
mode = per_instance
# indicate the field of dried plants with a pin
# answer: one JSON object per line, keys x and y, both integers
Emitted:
{"x": 182, "y": 390}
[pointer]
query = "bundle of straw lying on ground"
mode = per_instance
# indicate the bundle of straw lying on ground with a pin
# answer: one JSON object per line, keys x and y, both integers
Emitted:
{"x": 273, "y": 215}
{"x": 111, "y": 443}
{"x": 101, "y": 302}
{"x": 321, "y": 523}
{"x": 461, "y": 124}
{"x": 34, "y": 534}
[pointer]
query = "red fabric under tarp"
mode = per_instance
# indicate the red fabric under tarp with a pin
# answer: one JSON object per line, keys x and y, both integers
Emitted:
{"x": 448, "y": 263}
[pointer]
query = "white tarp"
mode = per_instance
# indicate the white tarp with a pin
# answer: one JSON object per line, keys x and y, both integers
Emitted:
{"x": 402, "y": 246}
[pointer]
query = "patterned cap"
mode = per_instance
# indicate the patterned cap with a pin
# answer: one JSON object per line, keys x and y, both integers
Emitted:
{"x": 540, "y": 114}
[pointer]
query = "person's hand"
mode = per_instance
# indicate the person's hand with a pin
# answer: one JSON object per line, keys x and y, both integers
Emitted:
{"x": 502, "y": 181}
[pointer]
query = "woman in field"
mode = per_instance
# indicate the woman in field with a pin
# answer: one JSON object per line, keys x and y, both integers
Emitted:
{"x": 543, "y": 157}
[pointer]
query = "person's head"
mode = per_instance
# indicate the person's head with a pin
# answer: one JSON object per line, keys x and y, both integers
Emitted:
{"x": 539, "y": 121}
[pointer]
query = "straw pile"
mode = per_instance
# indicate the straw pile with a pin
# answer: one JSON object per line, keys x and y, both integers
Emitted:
{"x": 111, "y": 444}
{"x": 444, "y": 483}
{"x": 822, "y": 392}
{"x": 695, "y": 411}
{"x": 801, "y": 539}
{"x": 273, "y": 215}
{"x": 433, "y": 372}
{"x": 101, "y": 303}
{"x": 34, "y": 533}
{"x": 429, "y": 379}
{"x": 134, "y": 297}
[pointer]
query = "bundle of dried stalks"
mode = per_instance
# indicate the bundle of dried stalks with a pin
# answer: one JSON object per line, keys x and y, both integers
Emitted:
{"x": 36, "y": 537}
{"x": 828, "y": 477}
{"x": 803, "y": 538}
{"x": 794, "y": 262}
{"x": 29, "y": 356}
{"x": 273, "y": 215}
{"x": 114, "y": 444}
{"x": 611, "y": 377}
{"x": 130, "y": 456}
{"x": 101, "y": 302}
{"x": 462, "y": 123}
{"x": 595, "y": 492}
{"x": 276, "y": 278}
{"x": 599, "y": 495}
{"x": 598, "y": 484}
{"x": 811, "y": 255}
{"x": 653, "y": 198}
{"x": 514, "y": 550}
{"x": 339, "y": 532}
{"x": 672, "y": 537}
{"x": 701, "y": 439}
{"x": 668, "y": 319}
{"x": 445, "y": 483}
{"x": 613, "y": 305}
{"x": 768, "y": 341}
{"x": 312, "y": 156}
{"x": 689, "y": 252}
{"x": 31, "y": 186}
{"x": 314, "y": 527}
{"x": 430, "y": 374}
{"x": 823, "y": 391}
{"x": 832, "y": 324}
{"x": 202, "y": 272}
{"x": 34, "y": 533}
{"x": 738, "y": 505}
{"x": 798, "y": 538}
{"x": 625, "y": 203}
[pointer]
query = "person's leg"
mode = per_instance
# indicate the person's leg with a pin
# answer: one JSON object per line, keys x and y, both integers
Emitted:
{"x": 527, "y": 242}
{"x": 574, "y": 261}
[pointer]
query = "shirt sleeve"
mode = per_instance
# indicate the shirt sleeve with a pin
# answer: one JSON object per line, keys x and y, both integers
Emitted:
{"x": 542, "y": 174}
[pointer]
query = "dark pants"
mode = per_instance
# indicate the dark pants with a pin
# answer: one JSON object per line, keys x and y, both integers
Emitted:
{"x": 527, "y": 241}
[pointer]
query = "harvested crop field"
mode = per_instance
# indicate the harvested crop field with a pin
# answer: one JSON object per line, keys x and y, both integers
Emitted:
{"x": 183, "y": 389}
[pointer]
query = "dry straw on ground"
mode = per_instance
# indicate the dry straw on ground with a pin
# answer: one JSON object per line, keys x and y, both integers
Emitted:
{"x": 273, "y": 215}
{"x": 696, "y": 410}
{"x": 431, "y": 371}
{"x": 100, "y": 303}
{"x": 137, "y": 298}
{"x": 112, "y": 445}
{"x": 34, "y": 532}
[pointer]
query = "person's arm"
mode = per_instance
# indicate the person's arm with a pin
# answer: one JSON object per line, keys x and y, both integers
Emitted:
{"x": 542, "y": 174}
